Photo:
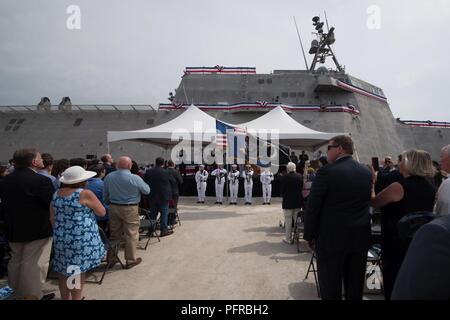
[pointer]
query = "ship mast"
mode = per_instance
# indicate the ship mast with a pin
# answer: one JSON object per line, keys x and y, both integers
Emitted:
{"x": 321, "y": 48}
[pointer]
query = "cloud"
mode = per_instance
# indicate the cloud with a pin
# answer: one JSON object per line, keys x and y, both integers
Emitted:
{"x": 135, "y": 51}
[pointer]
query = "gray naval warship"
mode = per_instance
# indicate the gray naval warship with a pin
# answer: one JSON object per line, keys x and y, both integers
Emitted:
{"x": 327, "y": 100}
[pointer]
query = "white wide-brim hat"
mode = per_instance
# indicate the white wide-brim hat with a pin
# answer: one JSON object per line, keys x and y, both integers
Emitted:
{"x": 76, "y": 174}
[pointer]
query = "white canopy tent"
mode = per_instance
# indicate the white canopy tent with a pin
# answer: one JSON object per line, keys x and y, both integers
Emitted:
{"x": 194, "y": 120}
{"x": 191, "y": 121}
{"x": 291, "y": 133}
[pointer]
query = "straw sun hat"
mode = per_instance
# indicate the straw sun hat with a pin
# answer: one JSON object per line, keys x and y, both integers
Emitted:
{"x": 76, "y": 174}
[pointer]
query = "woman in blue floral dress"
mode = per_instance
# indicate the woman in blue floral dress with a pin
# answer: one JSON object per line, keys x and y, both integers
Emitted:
{"x": 76, "y": 240}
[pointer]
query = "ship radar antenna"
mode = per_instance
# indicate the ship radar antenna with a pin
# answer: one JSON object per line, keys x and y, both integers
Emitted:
{"x": 326, "y": 20}
{"x": 321, "y": 48}
{"x": 301, "y": 44}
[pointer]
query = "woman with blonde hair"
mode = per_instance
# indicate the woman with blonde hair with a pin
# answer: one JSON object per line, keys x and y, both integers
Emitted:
{"x": 414, "y": 193}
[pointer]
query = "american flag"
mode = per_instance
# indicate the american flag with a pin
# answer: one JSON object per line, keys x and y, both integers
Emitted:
{"x": 221, "y": 133}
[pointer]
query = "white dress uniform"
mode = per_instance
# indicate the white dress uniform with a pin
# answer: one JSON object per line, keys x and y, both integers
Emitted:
{"x": 266, "y": 181}
{"x": 201, "y": 177}
{"x": 233, "y": 178}
{"x": 220, "y": 183}
{"x": 248, "y": 185}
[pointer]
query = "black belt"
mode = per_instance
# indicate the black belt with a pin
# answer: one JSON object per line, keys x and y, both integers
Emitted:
{"x": 125, "y": 204}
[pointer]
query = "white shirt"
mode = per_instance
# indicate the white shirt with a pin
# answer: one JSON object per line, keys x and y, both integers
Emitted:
{"x": 266, "y": 177}
{"x": 247, "y": 175}
{"x": 218, "y": 172}
{"x": 443, "y": 199}
{"x": 233, "y": 177}
{"x": 201, "y": 176}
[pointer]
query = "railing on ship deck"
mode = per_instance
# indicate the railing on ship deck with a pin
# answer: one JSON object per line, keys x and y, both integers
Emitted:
{"x": 77, "y": 108}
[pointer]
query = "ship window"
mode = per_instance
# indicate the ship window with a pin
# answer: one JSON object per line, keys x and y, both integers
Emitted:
{"x": 261, "y": 81}
{"x": 7, "y": 128}
{"x": 20, "y": 121}
{"x": 269, "y": 81}
{"x": 300, "y": 94}
{"x": 12, "y": 121}
{"x": 78, "y": 122}
{"x": 292, "y": 94}
{"x": 150, "y": 121}
{"x": 285, "y": 94}
{"x": 16, "y": 128}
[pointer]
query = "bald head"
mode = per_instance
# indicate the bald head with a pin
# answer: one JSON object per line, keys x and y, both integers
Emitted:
{"x": 124, "y": 163}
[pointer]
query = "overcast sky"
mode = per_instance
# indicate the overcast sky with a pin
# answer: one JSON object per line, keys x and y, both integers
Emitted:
{"x": 135, "y": 51}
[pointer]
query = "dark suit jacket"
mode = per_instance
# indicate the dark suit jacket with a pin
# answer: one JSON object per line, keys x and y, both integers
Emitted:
{"x": 158, "y": 179}
{"x": 291, "y": 186}
{"x": 425, "y": 272}
{"x": 26, "y": 197}
{"x": 176, "y": 180}
{"x": 337, "y": 214}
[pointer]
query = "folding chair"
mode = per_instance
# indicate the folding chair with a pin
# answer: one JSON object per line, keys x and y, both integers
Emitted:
{"x": 374, "y": 267}
{"x": 313, "y": 269}
{"x": 112, "y": 255}
{"x": 298, "y": 229}
{"x": 173, "y": 212}
{"x": 147, "y": 226}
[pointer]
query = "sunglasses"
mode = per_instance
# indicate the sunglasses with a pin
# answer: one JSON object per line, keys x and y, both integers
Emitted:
{"x": 333, "y": 146}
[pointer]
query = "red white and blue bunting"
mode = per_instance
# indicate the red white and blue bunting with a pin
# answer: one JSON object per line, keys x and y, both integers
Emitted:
{"x": 425, "y": 124}
{"x": 348, "y": 108}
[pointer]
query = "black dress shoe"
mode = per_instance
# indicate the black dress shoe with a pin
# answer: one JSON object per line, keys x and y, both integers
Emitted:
{"x": 49, "y": 296}
{"x": 166, "y": 233}
{"x": 134, "y": 263}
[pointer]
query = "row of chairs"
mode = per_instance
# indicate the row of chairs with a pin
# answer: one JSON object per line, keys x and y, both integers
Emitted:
{"x": 373, "y": 256}
{"x": 147, "y": 230}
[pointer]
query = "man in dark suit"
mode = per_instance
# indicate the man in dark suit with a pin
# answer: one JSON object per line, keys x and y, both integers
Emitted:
{"x": 158, "y": 179}
{"x": 26, "y": 197}
{"x": 425, "y": 272}
{"x": 337, "y": 222}
{"x": 176, "y": 180}
{"x": 291, "y": 186}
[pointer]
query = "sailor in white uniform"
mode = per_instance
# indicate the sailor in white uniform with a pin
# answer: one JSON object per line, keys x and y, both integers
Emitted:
{"x": 247, "y": 174}
{"x": 200, "y": 178}
{"x": 220, "y": 175}
{"x": 266, "y": 181}
{"x": 233, "y": 178}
